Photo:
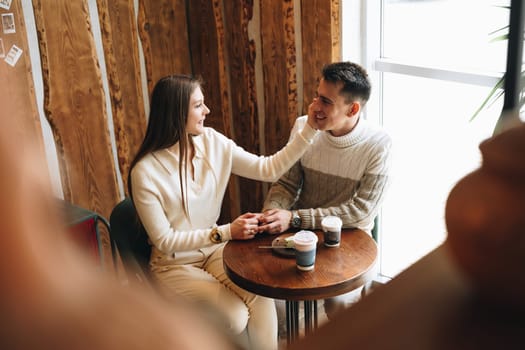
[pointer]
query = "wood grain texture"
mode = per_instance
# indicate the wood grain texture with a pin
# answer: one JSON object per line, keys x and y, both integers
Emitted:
{"x": 317, "y": 26}
{"x": 279, "y": 71}
{"x": 241, "y": 68}
{"x": 119, "y": 37}
{"x": 18, "y": 109}
{"x": 205, "y": 25}
{"x": 337, "y": 270}
{"x": 336, "y": 30}
{"x": 74, "y": 104}
{"x": 207, "y": 44}
{"x": 164, "y": 36}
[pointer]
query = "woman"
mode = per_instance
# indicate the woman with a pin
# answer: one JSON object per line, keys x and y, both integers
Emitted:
{"x": 177, "y": 182}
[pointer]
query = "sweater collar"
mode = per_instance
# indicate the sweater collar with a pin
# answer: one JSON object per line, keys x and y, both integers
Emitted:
{"x": 169, "y": 158}
{"x": 353, "y": 137}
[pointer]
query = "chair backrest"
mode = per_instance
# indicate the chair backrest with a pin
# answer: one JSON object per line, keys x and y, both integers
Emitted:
{"x": 129, "y": 236}
{"x": 375, "y": 230}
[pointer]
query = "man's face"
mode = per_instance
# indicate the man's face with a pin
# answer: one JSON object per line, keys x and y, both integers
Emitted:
{"x": 331, "y": 111}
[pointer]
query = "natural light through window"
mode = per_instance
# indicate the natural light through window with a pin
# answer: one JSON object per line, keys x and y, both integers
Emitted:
{"x": 432, "y": 64}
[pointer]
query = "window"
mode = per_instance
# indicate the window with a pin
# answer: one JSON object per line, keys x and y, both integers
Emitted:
{"x": 432, "y": 64}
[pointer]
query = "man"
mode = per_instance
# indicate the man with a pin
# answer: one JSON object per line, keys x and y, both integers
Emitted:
{"x": 346, "y": 170}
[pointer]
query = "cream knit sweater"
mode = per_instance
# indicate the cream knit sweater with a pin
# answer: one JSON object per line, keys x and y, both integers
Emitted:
{"x": 344, "y": 176}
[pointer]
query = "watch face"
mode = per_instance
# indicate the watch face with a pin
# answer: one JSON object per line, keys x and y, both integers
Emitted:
{"x": 216, "y": 236}
{"x": 296, "y": 222}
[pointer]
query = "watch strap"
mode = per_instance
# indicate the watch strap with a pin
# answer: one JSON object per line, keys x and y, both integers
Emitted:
{"x": 296, "y": 220}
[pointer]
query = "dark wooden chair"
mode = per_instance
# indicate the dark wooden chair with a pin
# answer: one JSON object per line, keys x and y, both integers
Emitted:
{"x": 129, "y": 239}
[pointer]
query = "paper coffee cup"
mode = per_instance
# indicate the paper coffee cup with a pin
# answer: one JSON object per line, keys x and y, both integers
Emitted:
{"x": 305, "y": 243}
{"x": 332, "y": 231}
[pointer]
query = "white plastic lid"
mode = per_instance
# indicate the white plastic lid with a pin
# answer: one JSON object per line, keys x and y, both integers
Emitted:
{"x": 333, "y": 222}
{"x": 304, "y": 238}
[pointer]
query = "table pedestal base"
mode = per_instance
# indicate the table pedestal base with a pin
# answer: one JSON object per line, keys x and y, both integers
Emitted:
{"x": 292, "y": 318}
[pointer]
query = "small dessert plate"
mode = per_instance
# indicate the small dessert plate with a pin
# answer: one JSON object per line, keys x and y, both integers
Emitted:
{"x": 284, "y": 245}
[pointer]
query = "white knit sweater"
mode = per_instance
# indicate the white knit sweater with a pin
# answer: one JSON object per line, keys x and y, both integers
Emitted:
{"x": 344, "y": 176}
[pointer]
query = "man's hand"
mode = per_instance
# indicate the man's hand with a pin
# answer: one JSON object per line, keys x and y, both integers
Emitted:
{"x": 275, "y": 221}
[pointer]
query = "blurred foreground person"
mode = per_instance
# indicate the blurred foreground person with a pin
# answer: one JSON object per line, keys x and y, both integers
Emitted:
{"x": 469, "y": 293}
{"x": 52, "y": 297}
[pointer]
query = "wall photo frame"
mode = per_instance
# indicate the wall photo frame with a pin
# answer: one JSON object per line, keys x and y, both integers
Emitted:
{"x": 8, "y": 23}
{"x": 5, "y": 4}
{"x": 13, "y": 55}
{"x": 2, "y": 50}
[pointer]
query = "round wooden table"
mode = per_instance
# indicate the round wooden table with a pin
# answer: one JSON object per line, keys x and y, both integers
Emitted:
{"x": 337, "y": 271}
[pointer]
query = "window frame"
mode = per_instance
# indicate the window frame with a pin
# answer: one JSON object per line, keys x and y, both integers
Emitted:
{"x": 369, "y": 34}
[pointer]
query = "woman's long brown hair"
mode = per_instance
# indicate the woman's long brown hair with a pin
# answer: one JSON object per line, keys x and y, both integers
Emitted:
{"x": 168, "y": 115}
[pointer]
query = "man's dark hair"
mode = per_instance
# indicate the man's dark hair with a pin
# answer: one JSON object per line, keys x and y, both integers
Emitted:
{"x": 356, "y": 85}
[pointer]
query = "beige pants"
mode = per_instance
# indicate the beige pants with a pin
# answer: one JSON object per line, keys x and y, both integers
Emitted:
{"x": 207, "y": 284}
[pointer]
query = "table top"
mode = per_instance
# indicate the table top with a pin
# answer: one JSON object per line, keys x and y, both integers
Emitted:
{"x": 267, "y": 273}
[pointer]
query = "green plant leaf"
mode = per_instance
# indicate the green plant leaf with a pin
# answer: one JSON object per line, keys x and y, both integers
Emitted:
{"x": 505, "y": 28}
{"x": 493, "y": 95}
{"x": 500, "y": 38}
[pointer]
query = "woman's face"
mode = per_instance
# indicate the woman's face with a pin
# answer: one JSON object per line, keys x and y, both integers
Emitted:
{"x": 197, "y": 112}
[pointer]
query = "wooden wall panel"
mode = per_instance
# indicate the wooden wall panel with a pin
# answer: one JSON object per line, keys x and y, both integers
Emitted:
{"x": 280, "y": 71}
{"x": 18, "y": 110}
{"x": 207, "y": 44}
{"x": 317, "y": 42}
{"x": 119, "y": 36}
{"x": 220, "y": 50}
{"x": 74, "y": 104}
{"x": 336, "y": 30}
{"x": 164, "y": 36}
{"x": 206, "y": 26}
{"x": 241, "y": 69}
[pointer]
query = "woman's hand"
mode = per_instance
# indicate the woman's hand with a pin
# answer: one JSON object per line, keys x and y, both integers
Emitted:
{"x": 312, "y": 110}
{"x": 245, "y": 226}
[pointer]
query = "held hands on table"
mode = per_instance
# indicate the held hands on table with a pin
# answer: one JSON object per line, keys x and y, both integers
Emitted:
{"x": 272, "y": 221}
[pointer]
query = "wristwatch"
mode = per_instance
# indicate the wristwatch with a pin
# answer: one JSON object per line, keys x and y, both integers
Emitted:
{"x": 295, "y": 221}
{"x": 216, "y": 236}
